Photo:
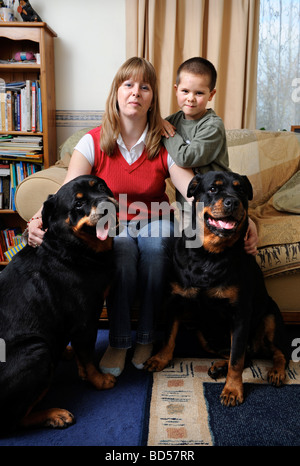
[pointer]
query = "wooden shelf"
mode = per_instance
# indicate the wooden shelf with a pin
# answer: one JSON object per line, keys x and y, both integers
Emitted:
{"x": 36, "y": 38}
{"x": 20, "y": 66}
{"x": 22, "y": 133}
{"x": 7, "y": 211}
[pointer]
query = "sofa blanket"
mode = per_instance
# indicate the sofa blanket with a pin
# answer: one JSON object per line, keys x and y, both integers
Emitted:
{"x": 271, "y": 160}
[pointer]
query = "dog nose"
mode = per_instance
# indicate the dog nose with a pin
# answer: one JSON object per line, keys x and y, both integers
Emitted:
{"x": 231, "y": 203}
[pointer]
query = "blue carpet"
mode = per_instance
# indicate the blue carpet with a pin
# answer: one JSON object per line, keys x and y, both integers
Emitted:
{"x": 119, "y": 417}
{"x": 103, "y": 418}
{"x": 258, "y": 421}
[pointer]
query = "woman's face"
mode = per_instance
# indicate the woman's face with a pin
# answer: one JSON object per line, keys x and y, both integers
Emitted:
{"x": 134, "y": 98}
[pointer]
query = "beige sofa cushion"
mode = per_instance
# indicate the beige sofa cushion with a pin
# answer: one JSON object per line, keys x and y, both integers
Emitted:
{"x": 269, "y": 159}
{"x": 33, "y": 191}
{"x": 287, "y": 199}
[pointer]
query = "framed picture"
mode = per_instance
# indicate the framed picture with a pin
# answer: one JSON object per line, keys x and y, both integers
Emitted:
{"x": 296, "y": 129}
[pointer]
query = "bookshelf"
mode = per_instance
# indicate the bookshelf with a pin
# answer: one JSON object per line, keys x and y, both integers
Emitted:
{"x": 35, "y": 37}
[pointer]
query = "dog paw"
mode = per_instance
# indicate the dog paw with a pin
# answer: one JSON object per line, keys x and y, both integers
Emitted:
{"x": 232, "y": 396}
{"x": 102, "y": 381}
{"x": 218, "y": 370}
{"x": 109, "y": 381}
{"x": 58, "y": 418}
{"x": 276, "y": 377}
{"x": 55, "y": 417}
{"x": 155, "y": 364}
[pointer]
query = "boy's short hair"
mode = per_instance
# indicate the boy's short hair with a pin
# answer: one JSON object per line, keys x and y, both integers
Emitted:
{"x": 198, "y": 65}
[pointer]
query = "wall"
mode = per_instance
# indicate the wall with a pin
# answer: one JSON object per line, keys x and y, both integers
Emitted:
{"x": 89, "y": 48}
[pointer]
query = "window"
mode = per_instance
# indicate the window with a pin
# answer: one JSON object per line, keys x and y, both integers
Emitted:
{"x": 278, "y": 75}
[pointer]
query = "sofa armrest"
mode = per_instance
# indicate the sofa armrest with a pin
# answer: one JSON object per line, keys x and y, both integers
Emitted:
{"x": 34, "y": 190}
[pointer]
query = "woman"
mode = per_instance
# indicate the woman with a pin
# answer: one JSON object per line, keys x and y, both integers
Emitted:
{"x": 128, "y": 154}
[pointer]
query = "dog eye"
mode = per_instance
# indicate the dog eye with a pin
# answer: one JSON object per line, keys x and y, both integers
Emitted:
{"x": 212, "y": 189}
{"x": 79, "y": 203}
{"x": 239, "y": 189}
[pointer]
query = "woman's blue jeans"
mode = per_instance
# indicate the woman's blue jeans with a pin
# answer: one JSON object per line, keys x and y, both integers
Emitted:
{"x": 142, "y": 258}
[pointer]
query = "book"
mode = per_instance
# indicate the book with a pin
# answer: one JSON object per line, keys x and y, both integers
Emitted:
{"x": 33, "y": 107}
{"x": 2, "y": 110}
{"x": 22, "y": 146}
{"x": 15, "y": 173}
{"x": 28, "y": 98}
{"x": 21, "y": 106}
{"x": 9, "y": 111}
{"x": 4, "y": 170}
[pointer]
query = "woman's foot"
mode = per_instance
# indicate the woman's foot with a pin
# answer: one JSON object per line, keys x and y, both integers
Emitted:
{"x": 141, "y": 354}
{"x": 113, "y": 361}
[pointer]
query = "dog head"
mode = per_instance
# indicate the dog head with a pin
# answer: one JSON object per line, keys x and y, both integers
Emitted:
{"x": 225, "y": 198}
{"x": 86, "y": 208}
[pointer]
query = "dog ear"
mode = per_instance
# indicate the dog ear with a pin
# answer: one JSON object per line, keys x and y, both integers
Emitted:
{"x": 194, "y": 186}
{"x": 248, "y": 187}
{"x": 103, "y": 187}
{"x": 49, "y": 207}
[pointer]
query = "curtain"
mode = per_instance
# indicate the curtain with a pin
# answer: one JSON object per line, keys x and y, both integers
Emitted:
{"x": 167, "y": 32}
{"x": 278, "y": 65}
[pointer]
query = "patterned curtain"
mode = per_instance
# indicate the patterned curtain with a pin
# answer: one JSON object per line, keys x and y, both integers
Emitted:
{"x": 167, "y": 32}
{"x": 278, "y": 77}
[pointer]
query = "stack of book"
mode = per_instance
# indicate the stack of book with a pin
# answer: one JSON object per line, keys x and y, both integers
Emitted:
{"x": 11, "y": 175}
{"x": 9, "y": 238}
{"x": 21, "y": 147}
{"x": 21, "y": 106}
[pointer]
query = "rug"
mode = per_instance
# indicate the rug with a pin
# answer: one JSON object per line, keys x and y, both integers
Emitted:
{"x": 106, "y": 418}
{"x": 186, "y": 410}
{"x": 179, "y": 406}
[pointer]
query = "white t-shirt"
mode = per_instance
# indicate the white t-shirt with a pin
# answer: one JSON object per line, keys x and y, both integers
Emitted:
{"x": 86, "y": 147}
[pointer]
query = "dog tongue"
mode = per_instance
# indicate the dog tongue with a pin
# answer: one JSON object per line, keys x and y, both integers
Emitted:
{"x": 102, "y": 230}
{"x": 224, "y": 224}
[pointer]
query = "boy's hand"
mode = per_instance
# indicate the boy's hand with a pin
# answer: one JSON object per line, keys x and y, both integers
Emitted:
{"x": 251, "y": 239}
{"x": 168, "y": 129}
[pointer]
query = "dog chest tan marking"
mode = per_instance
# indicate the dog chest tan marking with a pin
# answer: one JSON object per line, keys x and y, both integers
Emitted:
{"x": 230, "y": 293}
{"x": 189, "y": 293}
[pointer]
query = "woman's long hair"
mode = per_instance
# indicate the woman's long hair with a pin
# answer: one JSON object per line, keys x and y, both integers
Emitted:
{"x": 132, "y": 68}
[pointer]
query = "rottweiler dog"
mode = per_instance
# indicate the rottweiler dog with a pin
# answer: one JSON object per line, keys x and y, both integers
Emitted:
{"x": 221, "y": 287}
{"x": 52, "y": 295}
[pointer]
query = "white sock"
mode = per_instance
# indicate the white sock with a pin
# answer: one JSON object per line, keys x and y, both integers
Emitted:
{"x": 113, "y": 361}
{"x": 141, "y": 354}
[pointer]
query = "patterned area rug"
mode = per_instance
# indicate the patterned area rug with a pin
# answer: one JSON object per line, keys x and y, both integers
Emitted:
{"x": 186, "y": 410}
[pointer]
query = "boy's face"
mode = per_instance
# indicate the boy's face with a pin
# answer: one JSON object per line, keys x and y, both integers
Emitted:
{"x": 193, "y": 93}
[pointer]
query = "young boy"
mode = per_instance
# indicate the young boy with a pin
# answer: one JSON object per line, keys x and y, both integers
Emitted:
{"x": 198, "y": 138}
{"x": 195, "y": 136}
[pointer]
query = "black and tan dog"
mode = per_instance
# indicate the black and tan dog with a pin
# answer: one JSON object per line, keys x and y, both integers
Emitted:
{"x": 53, "y": 295}
{"x": 223, "y": 288}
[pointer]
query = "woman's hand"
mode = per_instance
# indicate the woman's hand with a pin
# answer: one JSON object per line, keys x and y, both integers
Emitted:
{"x": 35, "y": 232}
{"x": 168, "y": 129}
{"x": 251, "y": 239}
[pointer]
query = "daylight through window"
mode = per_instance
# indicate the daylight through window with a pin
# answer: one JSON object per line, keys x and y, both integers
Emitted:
{"x": 278, "y": 75}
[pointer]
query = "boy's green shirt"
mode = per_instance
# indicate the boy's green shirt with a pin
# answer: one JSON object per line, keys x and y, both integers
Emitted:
{"x": 198, "y": 144}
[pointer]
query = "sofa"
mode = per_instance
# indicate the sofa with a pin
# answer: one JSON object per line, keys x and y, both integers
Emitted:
{"x": 271, "y": 160}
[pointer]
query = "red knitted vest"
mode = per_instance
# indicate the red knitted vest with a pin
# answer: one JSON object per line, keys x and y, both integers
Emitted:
{"x": 140, "y": 187}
